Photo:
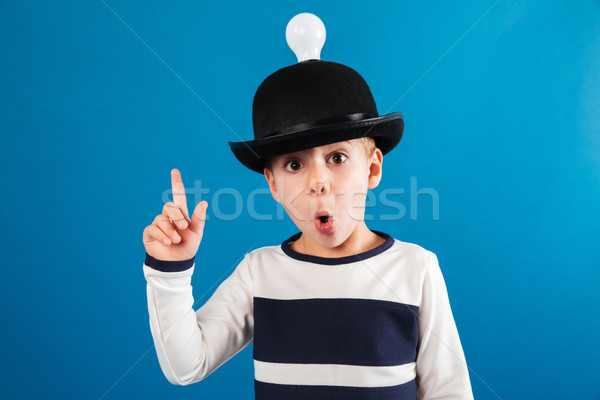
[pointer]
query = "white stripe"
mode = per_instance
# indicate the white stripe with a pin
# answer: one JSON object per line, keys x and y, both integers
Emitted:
{"x": 333, "y": 374}
{"x": 395, "y": 275}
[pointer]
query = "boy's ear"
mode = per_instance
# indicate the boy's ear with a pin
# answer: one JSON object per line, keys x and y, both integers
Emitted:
{"x": 375, "y": 168}
{"x": 271, "y": 181}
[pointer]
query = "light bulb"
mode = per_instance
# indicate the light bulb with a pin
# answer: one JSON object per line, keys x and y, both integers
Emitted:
{"x": 305, "y": 34}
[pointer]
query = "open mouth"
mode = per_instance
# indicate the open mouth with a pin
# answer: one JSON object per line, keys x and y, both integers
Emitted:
{"x": 324, "y": 223}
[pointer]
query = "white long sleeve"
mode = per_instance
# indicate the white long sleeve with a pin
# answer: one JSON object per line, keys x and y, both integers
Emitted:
{"x": 190, "y": 345}
{"x": 442, "y": 372}
{"x": 377, "y": 325}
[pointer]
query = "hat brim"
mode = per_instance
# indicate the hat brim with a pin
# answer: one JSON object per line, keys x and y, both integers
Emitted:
{"x": 386, "y": 130}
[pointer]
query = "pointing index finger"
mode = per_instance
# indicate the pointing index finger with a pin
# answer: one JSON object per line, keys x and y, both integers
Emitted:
{"x": 178, "y": 191}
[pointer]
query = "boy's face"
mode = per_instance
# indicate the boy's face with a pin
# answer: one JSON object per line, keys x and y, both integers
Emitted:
{"x": 331, "y": 179}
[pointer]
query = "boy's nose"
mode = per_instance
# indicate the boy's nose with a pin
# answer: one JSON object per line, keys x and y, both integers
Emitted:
{"x": 318, "y": 182}
{"x": 319, "y": 187}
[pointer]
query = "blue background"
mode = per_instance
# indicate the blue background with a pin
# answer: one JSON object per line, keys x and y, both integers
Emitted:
{"x": 100, "y": 100}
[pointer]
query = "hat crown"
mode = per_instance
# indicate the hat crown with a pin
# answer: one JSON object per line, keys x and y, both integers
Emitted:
{"x": 306, "y": 93}
{"x": 313, "y": 103}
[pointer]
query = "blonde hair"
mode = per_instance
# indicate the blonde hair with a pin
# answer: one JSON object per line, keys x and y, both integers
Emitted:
{"x": 368, "y": 144}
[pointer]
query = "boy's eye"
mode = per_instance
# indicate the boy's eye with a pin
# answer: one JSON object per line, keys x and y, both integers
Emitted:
{"x": 338, "y": 158}
{"x": 295, "y": 164}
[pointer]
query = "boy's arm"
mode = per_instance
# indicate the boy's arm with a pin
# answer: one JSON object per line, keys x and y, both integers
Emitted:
{"x": 442, "y": 371}
{"x": 190, "y": 344}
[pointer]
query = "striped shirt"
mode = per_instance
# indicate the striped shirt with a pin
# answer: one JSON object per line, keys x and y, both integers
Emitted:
{"x": 374, "y": 325}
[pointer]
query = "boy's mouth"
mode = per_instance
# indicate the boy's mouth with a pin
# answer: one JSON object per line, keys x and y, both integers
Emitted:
{"x": 324, "y": 222}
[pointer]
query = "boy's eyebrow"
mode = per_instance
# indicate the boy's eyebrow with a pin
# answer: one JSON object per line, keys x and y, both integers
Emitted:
{"x": 348, "y": 142}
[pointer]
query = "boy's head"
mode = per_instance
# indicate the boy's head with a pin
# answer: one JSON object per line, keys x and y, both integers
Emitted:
{"x": 323, "y": 189}
{"x": 320, "y": 141}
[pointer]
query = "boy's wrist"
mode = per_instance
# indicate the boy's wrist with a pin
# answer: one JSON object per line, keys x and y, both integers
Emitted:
{"x": 168, "y": 266}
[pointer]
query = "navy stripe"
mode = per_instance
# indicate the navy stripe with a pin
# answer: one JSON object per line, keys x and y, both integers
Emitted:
{"x": 335, "y": 331}
{"x": 271, "y": 391}
{"x": 168, "y": 266}
{"x": 285, "y": 246}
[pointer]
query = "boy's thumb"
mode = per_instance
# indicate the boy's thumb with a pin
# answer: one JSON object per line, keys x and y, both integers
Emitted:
{"x": 199, "y": 217}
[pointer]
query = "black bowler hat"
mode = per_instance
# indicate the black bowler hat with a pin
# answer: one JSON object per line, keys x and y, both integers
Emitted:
{"x": 313, "y": 103}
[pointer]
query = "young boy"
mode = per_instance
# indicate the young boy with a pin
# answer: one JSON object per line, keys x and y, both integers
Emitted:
{"x": 337, "y": 311}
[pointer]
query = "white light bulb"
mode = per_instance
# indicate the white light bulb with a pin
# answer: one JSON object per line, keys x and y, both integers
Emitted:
{"x": 305, "y": 34}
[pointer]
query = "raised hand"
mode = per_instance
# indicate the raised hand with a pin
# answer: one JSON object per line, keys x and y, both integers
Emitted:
{"x": 173, "y": 236}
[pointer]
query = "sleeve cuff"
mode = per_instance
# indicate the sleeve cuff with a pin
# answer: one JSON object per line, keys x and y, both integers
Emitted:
{"x": 168, "y": 266}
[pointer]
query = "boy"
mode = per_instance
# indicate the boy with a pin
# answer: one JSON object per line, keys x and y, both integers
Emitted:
{"x": 337, "y": 311}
